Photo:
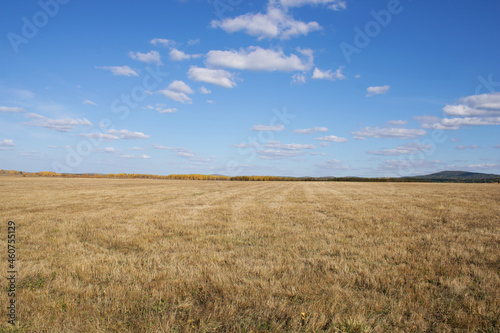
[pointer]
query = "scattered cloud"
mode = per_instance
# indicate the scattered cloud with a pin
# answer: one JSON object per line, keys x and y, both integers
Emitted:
{"x": 162, "y": 41}
{"x": 328, "y": 75}
{"x": 475, "y": 110}
{"x": 119, "y": 70}
{"x": 8, "y": 109}
{"x": 136, "y": 156}
{"x": 311, "y": 130}
{"x": 152, "y": 57}
{"x": 332, "y": 164}
{"x": 388, "y": 132}
{"x": 275, "y": 23}
{"x": 136, "y": 148}
{"x": 332, "y": 138}
{"x": 378, "y": 90}
{"x": 331, "y": 4}
{"x": 7, "y": 143}
{"x": 126, "y": 134}
{"x": 287, "y": 146}
{"x": 467, "y": 147}
{"x": 205, "y": 91}
{"x": 255, "y": 58}
{"x": 168, "y": 110}
{"x": 109, "y": 150}
{"x": 397, "y": 122}
{"x": 218, "y": 77}
{"x": 276, "y": 154}
{"x": 184, "y": 153}
{"x": 406, "y": 149}
{"x": 99, "y": 136}
{"x": 476, "y": 105}
{"x": 209, "y": 101}
{"x": 273, "y": 128}
{"x": 496, "y": 146}
{"x": 177, "y": 55}
{"x": 298, "y": 79}
{"x": 60, "y": 125}
{"x": 161, "y": 108}
{"x": 180, "y": 86}
{"x": 178, "y": 90}
{"x": 89, "y": 102}
{"x": 455, "y": 140}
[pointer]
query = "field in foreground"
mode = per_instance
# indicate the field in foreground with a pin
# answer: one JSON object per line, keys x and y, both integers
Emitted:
{"x": 98, "y": 255}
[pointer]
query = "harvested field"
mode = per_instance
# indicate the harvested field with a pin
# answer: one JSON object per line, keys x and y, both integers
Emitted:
{"x": 113, "y": 255}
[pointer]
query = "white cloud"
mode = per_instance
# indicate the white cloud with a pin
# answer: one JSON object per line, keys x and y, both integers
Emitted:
{"x": 258, "y": 59}
{"x": 332, "y": 164}
{"x": 298, "y": 79}
{"x": 332, "y": 138}
{"x": 162, "y": 41}
{"x": 476, "y": 105}
{"x": 397, "y": 122}
{"x": 476, "y": 110}
{"x": 287, "y": 146}
{"x": 126, "y": 134}
{"x": 324, "y": 144}
{"x": 180, "y": 86}
{"x": 328, "y": 75}
{"x": 177, "y": 55}
{"x": 52, "y": 147}
{"x": 184, "y": 153}
{"x": 388, "y": 132}
{"x": 168, "y": 110}
{"x": 177, "y": 91}
{"x": 218, "y": 77}
{"x": 176, "y": 96}
{"x": 136, "y": 156}
{"x": 209, "y": 101}
{"x": 60, "y": 125}
{"x": 311, "y": 130}
{"x": 119, "y": 70}
{"x": 109, "y": 150}
{"x": 406, "y": 149}
{"x": 276, "y": 154}
{"x": 276, "y": 23}
{"x": 467, "y": 147}
{"x": 89, "y": 102}
{"x": 99, "y": 136}
{"x": 204, "y": 90}
{"x": 7, "y": 143}
{"x": 379, "y": 90}
{"x": 161, "y": 108}
{"x": 331, "y": 4}
{"x": 152, "y": 57}
{"x": 456, "y": 123}
{"x": 136, "y": 148}
{"x": 8, "y": 109}
{"x": 274, "y": 128}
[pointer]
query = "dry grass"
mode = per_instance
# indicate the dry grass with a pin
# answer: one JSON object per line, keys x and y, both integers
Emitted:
{"x": 193, "y": 256}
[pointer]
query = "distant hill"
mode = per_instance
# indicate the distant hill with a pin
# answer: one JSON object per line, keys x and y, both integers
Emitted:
{"x": 457, "y": 175}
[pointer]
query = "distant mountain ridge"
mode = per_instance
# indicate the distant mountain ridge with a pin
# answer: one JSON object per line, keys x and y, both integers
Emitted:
{"x": 456, "y": 175}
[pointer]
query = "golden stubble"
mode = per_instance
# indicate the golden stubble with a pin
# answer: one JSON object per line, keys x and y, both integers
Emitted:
{"x": 112, "y": 255}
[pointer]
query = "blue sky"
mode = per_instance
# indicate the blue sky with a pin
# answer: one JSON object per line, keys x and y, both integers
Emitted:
{"x": 237, "y": 87}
